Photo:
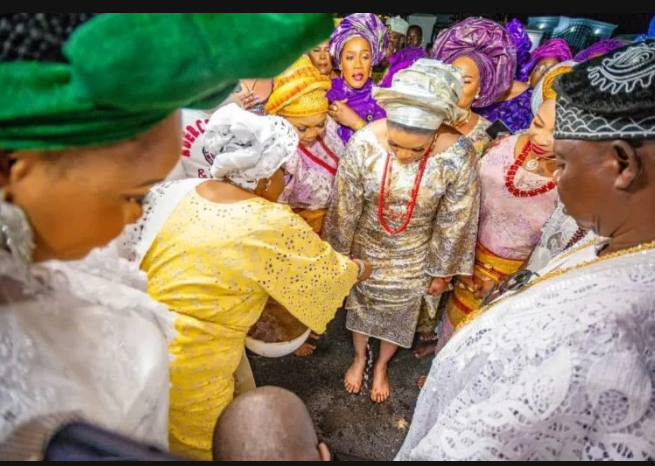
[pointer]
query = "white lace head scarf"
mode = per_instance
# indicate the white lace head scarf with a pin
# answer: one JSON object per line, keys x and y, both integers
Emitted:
{"x": 399, "y": 25}
{"x": 247, "y": 148}
{"x": 425, "y": 95}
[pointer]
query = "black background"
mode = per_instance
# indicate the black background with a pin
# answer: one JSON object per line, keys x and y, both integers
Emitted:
{"x": 629, "y": 23}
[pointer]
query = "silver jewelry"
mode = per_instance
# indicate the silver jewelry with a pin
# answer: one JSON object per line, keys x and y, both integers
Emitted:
{"x": 16, "y": 234}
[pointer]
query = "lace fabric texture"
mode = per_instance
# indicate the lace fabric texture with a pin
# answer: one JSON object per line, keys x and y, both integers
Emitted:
{"x": 84, "y": 345}
{"x": 563, "y": 371}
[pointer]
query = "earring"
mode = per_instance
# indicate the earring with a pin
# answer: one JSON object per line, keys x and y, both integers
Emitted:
{"x": 16, "y": 234}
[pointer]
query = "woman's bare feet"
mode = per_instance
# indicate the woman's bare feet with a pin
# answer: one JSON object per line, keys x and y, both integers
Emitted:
{"x": 425, "y": 350}
{"x": 308, "y": 348}
{"x": 381, "y": 390}
{"x": 305, "y": 351}
{"x": 355, "y": 376}
{"x": 425, "y": 337}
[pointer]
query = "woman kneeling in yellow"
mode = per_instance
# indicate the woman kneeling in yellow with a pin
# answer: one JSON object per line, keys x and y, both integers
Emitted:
{"x": 215, "y": 251}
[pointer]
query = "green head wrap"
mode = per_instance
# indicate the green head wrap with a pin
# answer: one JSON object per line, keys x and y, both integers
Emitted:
{"x": 125, "y": 72}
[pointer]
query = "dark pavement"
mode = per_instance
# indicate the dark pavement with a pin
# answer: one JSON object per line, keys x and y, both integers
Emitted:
{"x": 352, "y": 426}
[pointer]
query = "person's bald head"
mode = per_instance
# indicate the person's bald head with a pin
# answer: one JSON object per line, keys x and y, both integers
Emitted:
{"x": 267, "y": 424}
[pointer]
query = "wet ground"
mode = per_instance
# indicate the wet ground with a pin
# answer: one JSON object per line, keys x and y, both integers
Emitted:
{"x": 353, "y": 427}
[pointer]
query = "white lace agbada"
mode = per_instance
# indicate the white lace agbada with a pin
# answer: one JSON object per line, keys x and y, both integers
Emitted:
{"x": 84, "y": 347}
{"x": 558, "y": 232}
{"x": 562, "y": 371}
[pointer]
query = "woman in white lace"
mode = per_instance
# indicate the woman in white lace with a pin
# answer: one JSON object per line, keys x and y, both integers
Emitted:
{"x": 82, "y": 139}
{"x": 562, "y": 367}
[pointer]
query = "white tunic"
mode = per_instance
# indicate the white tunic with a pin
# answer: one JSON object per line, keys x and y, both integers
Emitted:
{"x": 561, "y": 371}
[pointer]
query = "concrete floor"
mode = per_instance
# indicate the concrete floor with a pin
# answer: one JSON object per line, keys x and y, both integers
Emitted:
{"x": 353, "y": 427}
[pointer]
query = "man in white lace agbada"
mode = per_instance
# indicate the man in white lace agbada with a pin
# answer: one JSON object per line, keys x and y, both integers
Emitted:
{"x": 561, "y": 366}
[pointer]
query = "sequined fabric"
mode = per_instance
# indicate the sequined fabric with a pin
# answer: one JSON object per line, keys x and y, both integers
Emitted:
{"x": 439, "y": 241}
{"x": 479, "y": 137}
{"x": 215, "y": 266}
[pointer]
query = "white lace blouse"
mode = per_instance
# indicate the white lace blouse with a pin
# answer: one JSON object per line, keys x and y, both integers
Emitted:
{"x": 83, "y": 346}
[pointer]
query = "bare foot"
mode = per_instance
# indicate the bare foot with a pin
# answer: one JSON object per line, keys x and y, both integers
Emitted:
{"x": 420, "y": 383}
{"x": 355, "y": 376}
{"x": 308, "y": 348}
{"x": 381, "y": 390}
{"x": 305, "y": 351}
{"x": 425, "y": 337}
{"x": 425, "y": 350}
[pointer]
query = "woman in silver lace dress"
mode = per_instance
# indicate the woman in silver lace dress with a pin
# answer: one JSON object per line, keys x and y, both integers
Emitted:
{"x": 407, "y": 200}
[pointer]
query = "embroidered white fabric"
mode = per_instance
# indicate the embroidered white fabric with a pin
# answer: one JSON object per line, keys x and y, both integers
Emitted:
{"x": 557, "y": 234}
{"x": 84, "y": 343}
{"x": 562, "y": 371}
{"x": 160, "y": 203}
{"x": 625, "y": 70}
